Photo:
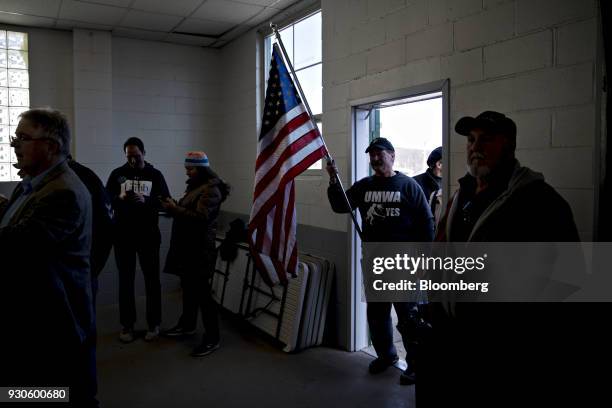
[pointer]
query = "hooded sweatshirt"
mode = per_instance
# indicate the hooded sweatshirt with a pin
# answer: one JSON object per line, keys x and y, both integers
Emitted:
{"x": 520, "y": 207}
{"x": 137, "y": 218}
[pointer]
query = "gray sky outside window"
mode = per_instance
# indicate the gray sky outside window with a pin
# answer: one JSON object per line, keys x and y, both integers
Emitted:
{"x": 287, "y": 37}
{"x": 307, "y": 39}
{"x": 302, "y": 41}
{"x": 414, "y": 129}
{"x": 311, "y": 79}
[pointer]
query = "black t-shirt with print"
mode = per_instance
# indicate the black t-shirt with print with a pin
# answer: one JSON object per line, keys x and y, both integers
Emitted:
{"x": 393, "y": 209}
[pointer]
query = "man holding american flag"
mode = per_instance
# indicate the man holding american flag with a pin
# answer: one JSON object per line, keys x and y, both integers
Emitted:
{"x": 393, "y": 209}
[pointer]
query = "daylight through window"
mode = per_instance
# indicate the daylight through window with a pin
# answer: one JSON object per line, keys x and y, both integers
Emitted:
{"x": 302, "y": 40}
{"x": 14, "y": 95}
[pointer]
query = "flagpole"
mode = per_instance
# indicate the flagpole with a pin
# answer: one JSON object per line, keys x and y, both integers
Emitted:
{"x": 330, "y": 160}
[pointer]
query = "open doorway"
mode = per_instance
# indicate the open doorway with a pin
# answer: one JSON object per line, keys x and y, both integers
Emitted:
{"x": 416, "y": 122}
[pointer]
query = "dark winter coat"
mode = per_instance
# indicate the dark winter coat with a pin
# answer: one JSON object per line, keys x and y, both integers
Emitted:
{"x": 192, "y": 245}
{"x": 429, "y": 183}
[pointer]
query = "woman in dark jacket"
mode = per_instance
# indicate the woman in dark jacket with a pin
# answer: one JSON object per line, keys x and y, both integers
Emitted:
{"x": 192, "y": 249}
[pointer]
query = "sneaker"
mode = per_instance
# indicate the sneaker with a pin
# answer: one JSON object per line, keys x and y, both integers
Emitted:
{"x": 407, "y": 377}
{"x": 126, "y": 335}
{"x": 178, "y": 331}
{"x": 204, "y": 349}
{"x": 379, "y": 365}
{"x": 152, "y": 334}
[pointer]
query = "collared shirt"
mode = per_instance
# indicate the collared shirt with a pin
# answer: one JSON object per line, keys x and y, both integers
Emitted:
{"x": 27, "y": 185}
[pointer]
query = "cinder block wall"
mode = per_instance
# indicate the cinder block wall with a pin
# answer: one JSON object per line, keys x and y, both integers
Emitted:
{"x": 531, "y": 59}
{"x": 51, "y": 69}
{"x": 165, "y": 94}
{"x": 112, "y": 88}
{"x": 534, "y": 60}
{"x": 237, "y": 141}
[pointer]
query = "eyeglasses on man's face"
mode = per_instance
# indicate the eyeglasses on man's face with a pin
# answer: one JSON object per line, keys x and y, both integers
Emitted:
{"x": 26, "y": 138}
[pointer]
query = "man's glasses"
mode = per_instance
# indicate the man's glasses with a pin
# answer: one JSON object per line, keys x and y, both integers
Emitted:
{"x": 25, "y": 138}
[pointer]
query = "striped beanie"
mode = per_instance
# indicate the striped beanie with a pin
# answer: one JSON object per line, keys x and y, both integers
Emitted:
{"x": 196, "y": 159}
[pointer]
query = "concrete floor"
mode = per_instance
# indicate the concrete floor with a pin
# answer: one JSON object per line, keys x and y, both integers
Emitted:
{"x": 247, "y": 371}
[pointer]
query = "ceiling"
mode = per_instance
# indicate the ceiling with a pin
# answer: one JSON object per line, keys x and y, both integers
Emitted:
{"x": 207, "y": 23}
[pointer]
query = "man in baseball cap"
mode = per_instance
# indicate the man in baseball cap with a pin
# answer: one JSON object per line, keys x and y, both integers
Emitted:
{"x": 503, "y": 193}
{"x": 393, "y": 209}
{"x": 499, "y": 201}
{"x": 491, "y": 141}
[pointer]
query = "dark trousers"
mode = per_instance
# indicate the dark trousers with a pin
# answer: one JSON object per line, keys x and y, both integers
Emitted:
{"x": 197, "y": 296}
{"x": 381, "y": 329}
{"x": 148, "y": 255}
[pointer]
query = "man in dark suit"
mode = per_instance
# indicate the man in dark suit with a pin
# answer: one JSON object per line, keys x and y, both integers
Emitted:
{"x": 45, "y": 242}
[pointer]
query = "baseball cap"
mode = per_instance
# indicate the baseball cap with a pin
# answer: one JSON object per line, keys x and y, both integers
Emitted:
{"x": 380, "y": 143}
{"x": 488, "y": 120}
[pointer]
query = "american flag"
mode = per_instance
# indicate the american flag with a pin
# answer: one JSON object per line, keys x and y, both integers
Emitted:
{"x": 288, "y": 144}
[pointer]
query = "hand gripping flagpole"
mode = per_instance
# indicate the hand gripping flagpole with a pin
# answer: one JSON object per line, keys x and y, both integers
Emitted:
{"x": 330, "y": 160}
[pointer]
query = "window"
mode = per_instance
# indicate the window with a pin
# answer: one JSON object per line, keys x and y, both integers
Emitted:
{"x": 414, "y": 127}
{"x": 302, "y": 40}
{"x": 14, "y": 95}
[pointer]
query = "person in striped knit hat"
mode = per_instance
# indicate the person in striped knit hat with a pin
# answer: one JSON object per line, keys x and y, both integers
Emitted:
{"x": 192, "y": 249}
